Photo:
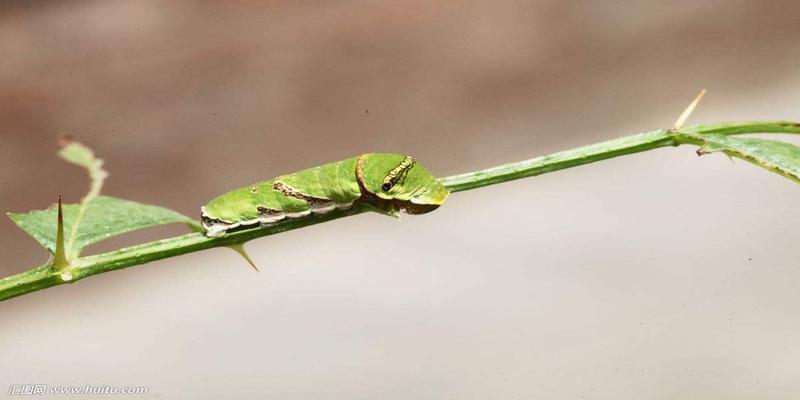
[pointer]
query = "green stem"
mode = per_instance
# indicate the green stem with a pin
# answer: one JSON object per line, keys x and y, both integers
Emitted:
{"x": 42, "y": 277}
{"x": 609, "y": 149}
{"x": 560, "y": 160}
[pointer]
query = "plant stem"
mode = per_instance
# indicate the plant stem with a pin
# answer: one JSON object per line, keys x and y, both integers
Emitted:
{"x": 609, "y": 149}
{"x": 560, "y": 160}
{"x": 43, "y": 276}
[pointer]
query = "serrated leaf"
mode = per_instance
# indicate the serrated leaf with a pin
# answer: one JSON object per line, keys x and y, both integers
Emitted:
{"x": 780, "y": 157}
{"x": 103, "y": 217}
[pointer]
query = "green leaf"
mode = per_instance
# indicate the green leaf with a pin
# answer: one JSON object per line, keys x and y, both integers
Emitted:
{"x": 780, "y": 157}
{"x": 103, "y": 217}
{"x": 96, "y": 218}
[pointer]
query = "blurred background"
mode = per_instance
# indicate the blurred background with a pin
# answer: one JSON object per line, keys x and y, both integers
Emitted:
{"x": 659, "y": 275}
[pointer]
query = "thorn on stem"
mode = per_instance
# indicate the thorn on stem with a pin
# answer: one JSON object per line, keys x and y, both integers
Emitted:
{"x": 239, "y": 248}
{"x": 688, "y": 111}
{"x": 60, "y": 257}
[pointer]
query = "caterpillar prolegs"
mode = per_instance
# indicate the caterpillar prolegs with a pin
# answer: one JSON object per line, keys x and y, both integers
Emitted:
{"x": 384, "y": 181}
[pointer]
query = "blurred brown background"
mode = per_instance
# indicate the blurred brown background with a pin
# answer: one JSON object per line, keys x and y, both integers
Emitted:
{"x": 654, "y": 276}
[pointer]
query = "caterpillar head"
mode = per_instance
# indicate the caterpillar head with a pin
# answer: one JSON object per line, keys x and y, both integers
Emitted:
{"x": 402, "y": 181}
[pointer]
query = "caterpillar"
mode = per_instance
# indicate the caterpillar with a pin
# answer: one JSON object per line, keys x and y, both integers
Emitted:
{"x": 383, "y": 182}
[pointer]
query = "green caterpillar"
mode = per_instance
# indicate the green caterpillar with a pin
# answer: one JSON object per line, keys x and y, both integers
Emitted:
{"x": 383, "y": 182}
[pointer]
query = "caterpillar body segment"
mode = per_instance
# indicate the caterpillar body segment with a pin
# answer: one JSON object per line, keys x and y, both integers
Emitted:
{"x": 384, "y": 182}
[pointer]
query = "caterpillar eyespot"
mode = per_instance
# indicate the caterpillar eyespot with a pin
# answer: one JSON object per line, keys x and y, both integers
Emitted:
{"x": 365, "y": 179}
